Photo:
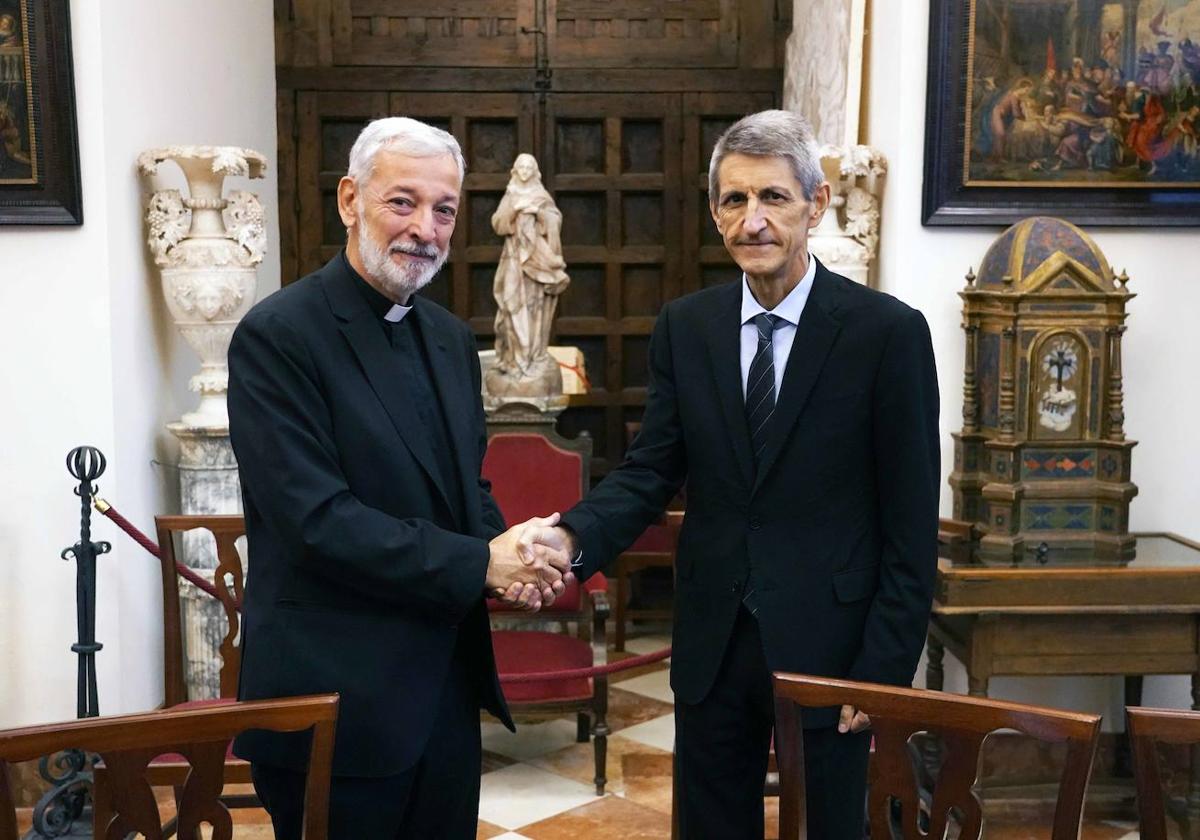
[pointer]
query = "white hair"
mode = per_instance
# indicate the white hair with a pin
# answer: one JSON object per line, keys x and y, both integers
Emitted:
{"x": 771, "y": 134}
{"x": 405, "y": 135}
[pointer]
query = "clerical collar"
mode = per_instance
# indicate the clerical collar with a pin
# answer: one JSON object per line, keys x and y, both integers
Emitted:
{"x": 381, "y": 305}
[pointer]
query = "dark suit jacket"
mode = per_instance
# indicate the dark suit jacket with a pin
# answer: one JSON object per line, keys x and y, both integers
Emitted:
{"x": 363, "y": 570}
{"x": 836, "y": 531}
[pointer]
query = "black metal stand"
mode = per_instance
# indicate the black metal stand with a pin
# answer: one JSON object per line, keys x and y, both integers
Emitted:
{"x": 65, "y": 809}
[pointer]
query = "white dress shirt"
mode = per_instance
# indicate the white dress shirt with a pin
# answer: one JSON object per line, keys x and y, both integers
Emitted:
{"x": 789, "y": 310}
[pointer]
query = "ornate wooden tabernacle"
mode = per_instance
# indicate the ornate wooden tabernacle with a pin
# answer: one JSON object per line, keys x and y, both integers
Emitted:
{"x": 1042, "y": 463}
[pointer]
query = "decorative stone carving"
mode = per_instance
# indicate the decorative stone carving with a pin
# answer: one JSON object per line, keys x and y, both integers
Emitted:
{"x": 529, "y": 278}
{"x": 207, "y": 248}
{"x": 824, "y": 65}
{"x": 847, "y": 239}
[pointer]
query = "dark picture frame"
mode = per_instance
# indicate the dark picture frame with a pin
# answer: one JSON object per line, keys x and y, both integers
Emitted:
{"x": 954, "y": 193}
{"x": 39, "y": 141}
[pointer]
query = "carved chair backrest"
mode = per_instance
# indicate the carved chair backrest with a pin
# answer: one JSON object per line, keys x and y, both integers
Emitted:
{"x": 962, "y": 723}
{"x": 128, "y": 743}
{"x": 1148, "y": 728}
{"x": 228, "y": 578}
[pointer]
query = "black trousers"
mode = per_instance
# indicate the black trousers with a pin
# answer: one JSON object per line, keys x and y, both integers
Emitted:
{"x": 721, "y": 749}
{"x": 437, "y": 797}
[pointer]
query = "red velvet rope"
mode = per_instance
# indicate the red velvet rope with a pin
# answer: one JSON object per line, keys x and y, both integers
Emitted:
{"x": 543, "y": 676}
{"x": 587, "y": 673}
{"x": 151, "y": 546}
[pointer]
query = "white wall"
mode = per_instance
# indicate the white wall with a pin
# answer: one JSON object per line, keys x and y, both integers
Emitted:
{"x": 925, "y": 266}
{"x": 91, "y": 356}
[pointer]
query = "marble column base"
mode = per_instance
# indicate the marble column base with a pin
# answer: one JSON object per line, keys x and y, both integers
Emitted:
{"x": 208, "y": 484}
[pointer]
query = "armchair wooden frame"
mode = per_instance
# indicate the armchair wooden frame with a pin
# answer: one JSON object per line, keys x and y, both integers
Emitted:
{"x": 1147, "y": 728}
{"x": 128, "y": 744}
{"x": 228, "y": 579}
{"x": 962, "y": 723}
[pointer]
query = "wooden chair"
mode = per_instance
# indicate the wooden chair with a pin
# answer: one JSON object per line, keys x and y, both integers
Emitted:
{"x": 128, "y": 743}
{"x": 228, "y": 578}
{"x": 962, "y": 724}
{"x": 533, "y": 475}
{"x": 1147, "y": 728}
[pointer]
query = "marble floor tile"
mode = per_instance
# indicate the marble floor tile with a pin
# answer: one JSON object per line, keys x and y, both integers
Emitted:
{"x": 641, "y": 645}
{"x": 487, "y": 831}
{"x": 646, "y": 778}
{"x": 656, "y": 684}
{"x": 522, "y": 794}
{"x": 531, "y": 739}
{"x": 578, "y": 761}
{"x": 659, "y": 733}
{"x": 610, "y": 818}
{"x": 495, "y": 761}
{"x": 627, "y": 708}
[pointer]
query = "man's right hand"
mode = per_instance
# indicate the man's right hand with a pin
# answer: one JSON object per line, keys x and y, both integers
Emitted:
{"x": 529, "y": 567}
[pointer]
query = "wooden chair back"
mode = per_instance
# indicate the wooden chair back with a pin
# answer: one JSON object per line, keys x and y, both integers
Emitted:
{"x": 962, "y": 724}
{"x": 229, "y": 580}
{"x": 1147, "y": 728}
{"x": 128, "y": 743}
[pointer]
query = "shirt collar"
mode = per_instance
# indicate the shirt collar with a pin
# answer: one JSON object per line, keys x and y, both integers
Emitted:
{"x": 382, "y": 306}
{"x": 790, "y": 307}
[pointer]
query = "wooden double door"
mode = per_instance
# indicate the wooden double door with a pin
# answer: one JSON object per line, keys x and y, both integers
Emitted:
{"x": 623, "y": 149}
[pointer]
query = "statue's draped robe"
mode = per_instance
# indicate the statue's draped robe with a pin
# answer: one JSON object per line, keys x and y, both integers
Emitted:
{"x": 530, "y": 275}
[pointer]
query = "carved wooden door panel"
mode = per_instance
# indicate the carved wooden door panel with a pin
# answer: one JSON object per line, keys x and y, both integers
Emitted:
{"x": 612, "y": 164}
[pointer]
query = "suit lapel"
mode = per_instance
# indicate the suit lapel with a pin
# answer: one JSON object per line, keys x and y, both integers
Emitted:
{"x": 362, "y": 330}
{"x": 452, "y": 385}
{"x": 815, "y": 334}
{"x": 725, "y": 348}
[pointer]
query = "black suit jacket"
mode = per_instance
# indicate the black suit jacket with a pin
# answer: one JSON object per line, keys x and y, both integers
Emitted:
{"x": 836, "y": 530}
{"x": 363, "y": 570}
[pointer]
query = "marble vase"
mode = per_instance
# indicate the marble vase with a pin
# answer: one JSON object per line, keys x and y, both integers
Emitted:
{"x": 207, "y": 246}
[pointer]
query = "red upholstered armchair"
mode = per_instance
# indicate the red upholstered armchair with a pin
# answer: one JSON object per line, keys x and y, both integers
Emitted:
{"x": 534, "y": 476}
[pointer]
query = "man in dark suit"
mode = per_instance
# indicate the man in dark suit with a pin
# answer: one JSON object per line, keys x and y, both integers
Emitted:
{"x": 356, "y": 419}
{"x": 802, "y": 410}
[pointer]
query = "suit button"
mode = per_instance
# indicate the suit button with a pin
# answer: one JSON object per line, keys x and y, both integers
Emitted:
{"x": 755, "y": 523}
{"x": 737, "y": 585}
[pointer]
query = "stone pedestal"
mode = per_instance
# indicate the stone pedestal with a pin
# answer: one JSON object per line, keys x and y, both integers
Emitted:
{"x": 208, "y": 484}
{"x": 524, "y": 414}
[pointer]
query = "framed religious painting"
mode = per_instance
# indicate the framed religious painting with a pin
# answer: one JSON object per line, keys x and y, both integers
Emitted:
{"x": 39, "y": 147}
{"x": 1088, "y": 110}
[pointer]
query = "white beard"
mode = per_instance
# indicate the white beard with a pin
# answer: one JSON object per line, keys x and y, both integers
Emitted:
{"x": 399, "y": 282}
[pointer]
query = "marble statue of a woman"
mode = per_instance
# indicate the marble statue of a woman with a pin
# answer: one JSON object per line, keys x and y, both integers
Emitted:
{"x": 529, "y": 279}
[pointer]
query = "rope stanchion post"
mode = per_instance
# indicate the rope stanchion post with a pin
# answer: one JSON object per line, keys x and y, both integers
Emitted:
{"x": 65, "y": 809}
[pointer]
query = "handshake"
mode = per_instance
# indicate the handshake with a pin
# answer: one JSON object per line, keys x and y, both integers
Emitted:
{"x": 530, "y": 563}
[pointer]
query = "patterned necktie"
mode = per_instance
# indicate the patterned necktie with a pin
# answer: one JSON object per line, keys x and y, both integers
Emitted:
{"x": 760, "y": 383}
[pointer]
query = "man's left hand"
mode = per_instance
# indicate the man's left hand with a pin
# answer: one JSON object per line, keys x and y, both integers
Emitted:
{"x": 852, "y": 720}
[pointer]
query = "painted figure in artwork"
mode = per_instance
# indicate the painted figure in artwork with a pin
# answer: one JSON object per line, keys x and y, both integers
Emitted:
{"x": 8, "y": 32}
{"x": 1135, "y": 62}
{"x": 530, "y": 277}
